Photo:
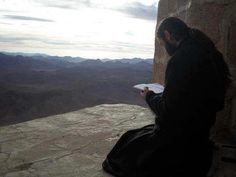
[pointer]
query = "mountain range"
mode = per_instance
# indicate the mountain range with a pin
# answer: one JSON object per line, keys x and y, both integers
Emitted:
{"x": 38, "y": 85}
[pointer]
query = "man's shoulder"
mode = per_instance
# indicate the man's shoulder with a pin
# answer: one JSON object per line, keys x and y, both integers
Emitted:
{"x": 191, "y": 48}
{"x": 189, "y": 52}
{"x": 188, "y": 58}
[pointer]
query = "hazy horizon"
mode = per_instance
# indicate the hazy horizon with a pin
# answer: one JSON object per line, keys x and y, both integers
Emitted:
{"x": 28, "y": 54}
{"x": 96, "y": 29}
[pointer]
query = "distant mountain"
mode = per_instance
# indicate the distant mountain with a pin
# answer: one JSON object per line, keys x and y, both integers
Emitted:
{"x": 17, "y": 63}
{"x": 40, "y": 56}
{"x": 65, "y": 59}
{"x": 38, "y": 86}
{"x": 44, "y": 57}
{"x": 130, "y": 61}
{"x": 25, "y": 54}
{"x": 133, "y": 60}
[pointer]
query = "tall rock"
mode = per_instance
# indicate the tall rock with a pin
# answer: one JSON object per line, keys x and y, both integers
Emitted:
{"x": 217, "y": 18}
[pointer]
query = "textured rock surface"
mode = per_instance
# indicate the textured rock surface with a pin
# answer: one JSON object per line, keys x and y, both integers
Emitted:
{"x": 67, "y": 145}
{"x": 217, "y": 18}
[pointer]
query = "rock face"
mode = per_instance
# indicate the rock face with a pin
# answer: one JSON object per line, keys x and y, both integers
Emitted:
{"x": 217, "y": 18}
{"x": 67, "y": 145}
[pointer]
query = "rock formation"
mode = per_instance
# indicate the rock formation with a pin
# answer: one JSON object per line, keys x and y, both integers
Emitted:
{"x": 217, "y": 18}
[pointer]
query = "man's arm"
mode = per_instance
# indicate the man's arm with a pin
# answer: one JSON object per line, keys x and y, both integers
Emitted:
{"x": 173, "y": 103}
{"x": 153, "y": 100}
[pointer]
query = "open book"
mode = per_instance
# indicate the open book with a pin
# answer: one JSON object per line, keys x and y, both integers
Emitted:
{"x": 155, "y": 87}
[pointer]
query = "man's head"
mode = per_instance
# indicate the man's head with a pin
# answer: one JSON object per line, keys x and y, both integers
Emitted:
{"x": 171, "y": 31}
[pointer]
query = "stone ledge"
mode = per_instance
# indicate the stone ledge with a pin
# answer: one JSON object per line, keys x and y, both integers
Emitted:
{"x": 67, "y": 145}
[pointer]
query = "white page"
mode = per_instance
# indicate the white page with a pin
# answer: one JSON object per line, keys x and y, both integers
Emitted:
{"x": 155, "y": 87}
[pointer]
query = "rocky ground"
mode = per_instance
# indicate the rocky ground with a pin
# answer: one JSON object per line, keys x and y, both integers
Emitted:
{"x": 67, "y": 145}
{"x": 75, "y": 144}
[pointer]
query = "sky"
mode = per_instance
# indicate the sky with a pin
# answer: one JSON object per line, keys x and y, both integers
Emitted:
{"x": 86, "y": 28}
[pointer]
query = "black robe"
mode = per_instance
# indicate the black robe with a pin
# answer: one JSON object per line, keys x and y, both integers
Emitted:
{"x": 177, "y": 144}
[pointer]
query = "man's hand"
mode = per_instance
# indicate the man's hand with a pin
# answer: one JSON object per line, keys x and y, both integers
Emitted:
{"x": 143, "y": 93}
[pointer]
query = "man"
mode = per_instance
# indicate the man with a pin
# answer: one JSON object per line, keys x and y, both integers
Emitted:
{"x": 178, "y": 144}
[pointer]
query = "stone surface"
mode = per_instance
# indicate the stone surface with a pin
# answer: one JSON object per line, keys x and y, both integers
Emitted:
{"x": 217, "y": 18}
{"x": 67, "y": 145}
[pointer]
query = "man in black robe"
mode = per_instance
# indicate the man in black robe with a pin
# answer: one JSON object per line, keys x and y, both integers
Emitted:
{"x": 177, "y": 144}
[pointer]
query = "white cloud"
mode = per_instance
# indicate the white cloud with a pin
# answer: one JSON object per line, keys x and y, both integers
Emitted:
{"x": 19, "y": 17}
{"x": 139, "y": 10}
{"x": 87, "y": 28}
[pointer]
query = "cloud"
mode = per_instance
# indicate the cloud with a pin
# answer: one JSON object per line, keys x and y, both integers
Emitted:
{"x": 8, "y": 11}
{"x": 94, "y": 21}
{"x": 4, "y": 23}
{"x": 19, "y": 17}
{"x": 26, "y": 39}
{"x": 112, "y": 49}
{"x": 141, "y": 11}
{"x": 64, "y": 4}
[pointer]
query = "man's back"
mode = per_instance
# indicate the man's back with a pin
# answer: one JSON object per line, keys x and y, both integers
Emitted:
{"x": 187, "y": 108}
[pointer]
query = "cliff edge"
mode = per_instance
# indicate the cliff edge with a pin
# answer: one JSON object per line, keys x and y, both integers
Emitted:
{"x": 67, "y": 145}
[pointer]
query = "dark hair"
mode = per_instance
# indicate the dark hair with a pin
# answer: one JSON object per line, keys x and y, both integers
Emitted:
{"x": 176, "y": 27}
